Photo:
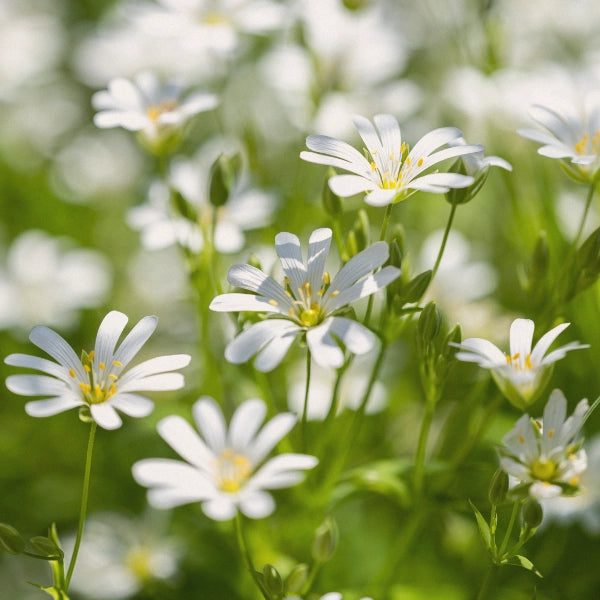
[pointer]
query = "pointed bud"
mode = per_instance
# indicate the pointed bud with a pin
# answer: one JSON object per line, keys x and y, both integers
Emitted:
{"x": 454, "y": 336}
{"x": 296, "y": 580}
{"x": 223, "y": 177}
{"x": 498, "y": 487}
{"x": 532, "y": 514}
{"x": 361, "y": 230}
{"x": 417, "y": 286}
{"x": 272, "y": 581}
{"x": 351, "y": 244}
{"x": 429, "y": 323}
{"x": 325, "y": 540}
{"x": 46, "y": 547}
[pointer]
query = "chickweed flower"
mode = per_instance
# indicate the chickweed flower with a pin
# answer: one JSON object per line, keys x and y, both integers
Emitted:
{"x": 97, "y": 381}
{"x": 543, "y": 454}
{"x": 522, "y": 374}
{"x": 309, "y": 303}
{"x": 157, "y": 112}
{"x": 390, "y": 171}
{"x": 225, "y": 468}
{"x": 572, "y": 137}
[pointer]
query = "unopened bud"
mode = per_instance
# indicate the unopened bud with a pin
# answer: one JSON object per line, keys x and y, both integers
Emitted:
{"x": 417, "y": 286}
{"x": 532, "y": 514}
{"x": 11, "y": 540}
{"x": 325, "y": 540}
{"x": 362, "y": 230}
{"x": 331, "y": 202}
{"x": 223, "y": 176}
{"x": 272, "y": 581}
{"x": 498, "y": 487}
{"x": 296, "y": 580}
{"x": 429, "y": 323}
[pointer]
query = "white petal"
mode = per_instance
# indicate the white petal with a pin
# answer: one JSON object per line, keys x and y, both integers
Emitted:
{"x": 543, "y": 489}
{"x": 318, "y": 249}
{"x": 211, "y": 423}
{"x": 432, "y": 140}
{"x": 229, "y": 238}
{"x": 274, "y": 430}
{"x": 153, "y": 366}
{"x": 252, "y": 340}
{"x": 133, "y": 405}
{"x": 348, "y": 185}
{"x": 439, "y": 183}
{"x": 323, "y": 347}
{"x": 135, "y": 339}
{"x": 36, "y": 385}
{"x": 106, "y": 416}
{"x": 555, "y": 412}
{"x": 288, "y": 249}
{"x": 389, "y": 131}
{"x": 481, "y": 351}
{"x": 357, "y": 338}
{"x": 324, "y": 144}
{"x": 221, "y": 508}
{"x": 521, "y": 335}
{"x": 245, "y": 422}
{"x": 54, "y": 345}
{"x": 282, "y": 471}
{"x": 51, "y": 406}
{"x": 154, "y": 383}
{"x": 257, "y": 504}
{"x": 40, "y": 364}
{"x": 381, "y": 197}
{"x": 273, "y": 352}
{"x": 254, "y": 280}
{"x": 184, "y": 439}
{"x": 237, "y": 302}
{"x": 109, "y": 332}
{"x": 540, "y": 349}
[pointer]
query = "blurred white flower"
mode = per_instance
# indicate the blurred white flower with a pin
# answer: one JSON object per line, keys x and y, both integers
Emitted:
{"x": 161, "y": 224}
{"x": 392, "y": 172}
{"x": 225, "y": 468}
{"x": 308, "y": 304}
{"x": 329, "y": 596}
{"x": 156, "y": 111}
{"x": 522, "y": 374}
{"x": 120, "y": 556}
{"x": 322, "y": 381}
{"x": 47, "y": 279}
{"x": 570, "y": 135}
{"x": 95, "y": 380}
{"x": 585, "y": 506}
{"x": 544, "y": 455}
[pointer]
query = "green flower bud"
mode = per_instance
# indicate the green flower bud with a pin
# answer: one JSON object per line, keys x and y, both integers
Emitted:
{"x": 429, "y": 323}
{"x": 532, "y": 514}
{"x": 325, "y": 540}
{"x": 351, "y": 244}
{"x": 417, "y": 286}
{"x": 296, "y": 580}
{"x": 498, "y": 487}
{"x": 331, "y": 202}
{"x": 454, "y": 336}
{"x": 362, "y": 230}
{"x": 11, "y": 540}
{"x": 46, "y": 547}
{"x": 223, "y": 176}
{"x": 272, "y": 581}
{"x": 588, "y": 263}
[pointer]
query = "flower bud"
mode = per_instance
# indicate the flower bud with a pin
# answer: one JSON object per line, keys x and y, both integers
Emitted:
{"x": 361, "y": 230}
{"x": 272, "y": 581}
{"x": 417, "y": 286}
{"x": 532, "y": 514}
{"x": 498, "y": 487}
{"x": 46, "y": 547}
{"x": 325, "y": 540}
{"x": 296, "y": 580}
{"x": 429, "y": 323}
{"x": 223, "y": 177}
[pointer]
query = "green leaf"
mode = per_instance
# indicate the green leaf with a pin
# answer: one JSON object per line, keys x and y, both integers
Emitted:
{"x": 484, "y": 528}
{"x": 11, "y": 540}
{"x": 51, "y": 591}
{"x": 521, "y": 561}
{"x": 46, "y": 547}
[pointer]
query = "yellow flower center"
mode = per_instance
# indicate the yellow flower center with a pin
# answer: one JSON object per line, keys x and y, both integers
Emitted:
{"x": 308, "y": 309}
{"x": 543, "y": 469}
{"x": 99, "y": 386}
{"x": 519, "y": 365}
{"x": 138, "y": 561}
{"x": 234, "y": 470}
{"x": 154, "y": 111}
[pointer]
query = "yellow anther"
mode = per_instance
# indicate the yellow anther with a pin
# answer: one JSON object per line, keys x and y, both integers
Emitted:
{"x": 574, "y": 481}
{"x": 516, "y": 355}
{"x": 521, "y": 439}
{"x": 408, "y": 160}
{"x": 508, "y": 359}
{"x": 291, "y": 312}
{"x": 528, "y": 363}
{"x": 287, "y": 293}
{"x": 373, "y": 167}
{"x": 72, "y": 373}
{"x": 287, "y": 281}
{"x": 273, "y": 302}
{"x": 420, "y": 162}
{"x": 91, "y": 355}
{"x": 87, "y": 368}
{"x": 117, "y": 363}
{"x": 391, "y": 156}
{"x": 113, "y": 377}
{"x": 326, "y": 278}
{"x": 334, "y": 293}
{"x": 85, "y": 387}
{"x": 102, "y": 366}
{"x": 580, "y": 146}
{"x": 551, "y": 434}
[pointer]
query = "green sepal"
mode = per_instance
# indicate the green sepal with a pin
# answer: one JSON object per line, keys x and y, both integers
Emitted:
{"x": 498, "y": 487}
{"x": 484, "y": 528}
{"x": 224, "y": 173}
{"x": 272, "y": 582}
{"x": 85, "y": 415}
{"x": 11, "y": 540}
{"x": 521, "y": 561}
{"x": 297, "y": 579}
{"x": 332, "y": 203}
{"x": 46, "y": 547}
{"x": 326, "y": 540}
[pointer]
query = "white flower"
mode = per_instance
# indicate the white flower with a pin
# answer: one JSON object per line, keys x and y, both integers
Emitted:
{"x": 476, "y": 162}
{"x": 157, "y": 111}
{"x": 308, "y": 303}
{"x": 543, "y": 455}
{"x": 329, "y": 596}
{"x": 522, "y": 374}
{"x": 571, "y": 136}
{"x": 44, "y": 279}
{"x": 225, "y": 468}
{"x": 96, "y": 380}
{"x": 392, "y": 172}
{"x": 121, "y": 556}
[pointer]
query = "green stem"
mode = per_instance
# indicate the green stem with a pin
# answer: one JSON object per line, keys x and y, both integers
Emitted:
{"x": 84, "y": 501}
{"x": 386, "y": 221}
{"x": 485, "y": 586}
{"x": 339, "y": 241}
{"x": 246, "y": 555}
{"x": 438, "y": 260}
{"x": 511, "y": 523}
{"x": 335, "y": 396}
{"x": 586, "y": 210}
{"x": 419, "y": 471}
{"x": 306, "y": 390}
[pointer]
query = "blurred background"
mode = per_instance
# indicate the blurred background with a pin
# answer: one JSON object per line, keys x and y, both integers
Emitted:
{"x": 75, "y": 201}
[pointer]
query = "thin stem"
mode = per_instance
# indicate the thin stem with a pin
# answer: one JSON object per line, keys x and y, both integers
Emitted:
{"x": 485, "y": 586}
{"x": 438, "y": 260}
{"x": 335, "y": 396}
{"x": 386, "y": 221}
{"x": 84, "y": 501}
{"x": 419, "y": 471}
{"x": 306, "y": 390}
{"x": 511, "y": 523}
{"x": 246, "y": 554}
{"x": 586, "y": 210}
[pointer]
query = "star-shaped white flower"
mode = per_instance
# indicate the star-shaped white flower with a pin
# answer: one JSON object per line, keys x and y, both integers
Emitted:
{"x": 522, "y": 374}
{"x": 225, "y": 468}
{"x": 391, "y": 172}
{"x": 98, "y": 379}
{"x": 145, "y": 105}
{"x": 571, "y": 136}
{"x": 543, "y": 455}
{"x": 308, "y": 303}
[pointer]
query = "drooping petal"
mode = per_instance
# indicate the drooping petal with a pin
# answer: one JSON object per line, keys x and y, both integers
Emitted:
{"x": 36, "y": 385}
{"x": 273, "y": 352}
{"x": 357, "y": 338}
{"x": 326, "y": 145}
{"x": 133, "y": 405}
{"x": 481, "y": 351}
{"x": 561, "y": 352}
{"x": 323, "y": 347}
{"x": 381, "y": 197}
{"x": 238, "y": 302}
{"x": 221, "y": 508}
{"x": 40, "y": 364}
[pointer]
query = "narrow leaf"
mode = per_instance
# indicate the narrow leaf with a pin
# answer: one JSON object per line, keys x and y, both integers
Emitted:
{"x": 484, "y": 528}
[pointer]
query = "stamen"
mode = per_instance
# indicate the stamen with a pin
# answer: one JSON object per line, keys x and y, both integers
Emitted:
{"x": 102, "y": 366}
{"x": 273, "y": 302}
{"x": 72, "y": 373}
{"x": 117, "y": 363}
{"x": 420, "y": 162}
